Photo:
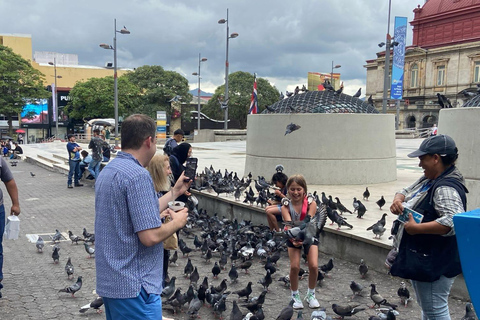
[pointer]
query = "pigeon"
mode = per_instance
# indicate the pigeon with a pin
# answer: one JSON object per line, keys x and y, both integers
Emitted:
{"x": 90, "y": 250}
{"x": 193, "y": 307}
{"x": 269, "y": 108}
{"x": 363, "y": 268}
{"x": 469, "y": 313}
{"x": 340, "y": 221}
{"x": 381, "y": 202}
{"x": 188, "y": 268}
{"x": 467, "y": 94}
{"x": 55, "y": 254}
{"x": 377, "y": 299}
{"x": 266, "y": 281}
{"x": 220, "y": 306}
{"x": 194, "y": 276}
{"x": 254, "y": 304}
{"x": 378, "y": 228}
{"x": 339, "y": 91}
{"x": 169, "y": 289}
{"x": 216, "y": 270}
{"x": 233, "y": 274}
{"x": 346, "y": 311}
{"x": 86, "y": 234}
{"x": 40, "y": 244}
{"x": 355, "y": 205}
{"x": 443, "y": 101}
{"x": 173, "y": 258}
{"x": 370, "y": 100}
{"x": 366, "y": 194}
{"x": 74, "y": 238}
{"x": 404, "y": 294}
{"x": 236, "y": 314}
{"x": 361, "y": 209}
{"x": 95, "y": 305}
{"x": 245, "y": 292}
{"x": 220, "y": 288}
{"x": 208, "y": 255}
{"x": 292, "y": 127}
{"x": 69, "y": 268}
{"x": 358, "y": 93}
{"x": 341, "y": 207}
{"x": 57, "y": 236}
{"x": 287, "y": 312}
{"x": 32, "y": 174}
{"x": 326, "y": 268}
{"x": 356, "y": 288}
{"x": 285, "y": 280}
{"x": 245, "y": 265}
{"x": 73, "y": 288}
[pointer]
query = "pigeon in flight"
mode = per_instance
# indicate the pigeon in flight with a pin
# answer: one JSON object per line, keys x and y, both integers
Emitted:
{"x": 292, "y": 127}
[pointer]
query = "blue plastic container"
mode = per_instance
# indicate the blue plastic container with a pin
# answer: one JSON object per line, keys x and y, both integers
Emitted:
{"x": 467, "y": 229}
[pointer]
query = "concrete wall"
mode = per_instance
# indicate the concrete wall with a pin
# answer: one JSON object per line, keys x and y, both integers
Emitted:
{"x": 211, "y": 135}
{"x": 328, "y": 149}
{"x": 462, "y": 124}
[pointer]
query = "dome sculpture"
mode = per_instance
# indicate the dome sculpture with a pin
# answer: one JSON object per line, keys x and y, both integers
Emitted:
{"x": 473, "y": 102}
{"x": 320, "y": 102}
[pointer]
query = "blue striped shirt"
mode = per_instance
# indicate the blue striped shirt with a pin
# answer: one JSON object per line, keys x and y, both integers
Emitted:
{"x": 126, "y": 203}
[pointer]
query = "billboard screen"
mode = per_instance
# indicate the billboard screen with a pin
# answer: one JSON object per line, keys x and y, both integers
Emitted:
{"x": 35, "y": 112}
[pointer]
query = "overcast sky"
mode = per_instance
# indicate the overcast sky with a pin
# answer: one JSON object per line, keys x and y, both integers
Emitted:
{"x": 279, "y": 40}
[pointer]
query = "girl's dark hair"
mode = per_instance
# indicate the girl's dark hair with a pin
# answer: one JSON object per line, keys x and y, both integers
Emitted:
{"x": 280, "y": 177}
{"x": 449, "y": 159}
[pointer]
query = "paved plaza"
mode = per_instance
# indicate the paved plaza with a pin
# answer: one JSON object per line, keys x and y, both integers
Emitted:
{"x": 32, "y": 281}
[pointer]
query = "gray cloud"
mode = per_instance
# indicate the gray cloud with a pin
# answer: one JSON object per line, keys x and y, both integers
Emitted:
{"x": 279, "y": 40}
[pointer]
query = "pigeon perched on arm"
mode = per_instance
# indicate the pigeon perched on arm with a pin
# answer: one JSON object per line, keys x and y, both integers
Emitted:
{"x": 73, "y": 288}
{"x": 95, "y": 305}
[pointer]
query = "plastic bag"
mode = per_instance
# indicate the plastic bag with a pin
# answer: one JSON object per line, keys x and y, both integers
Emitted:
{"x": 12, "y": 228}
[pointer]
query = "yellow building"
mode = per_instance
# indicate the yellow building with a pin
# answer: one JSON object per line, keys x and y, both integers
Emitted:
{"x": 68, "y": 73}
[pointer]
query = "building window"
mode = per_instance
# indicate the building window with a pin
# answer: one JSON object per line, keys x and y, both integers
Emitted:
{"x": 414, "y": 76}
{"x": 476, "y": 72}
{"x": 440, "y": 75}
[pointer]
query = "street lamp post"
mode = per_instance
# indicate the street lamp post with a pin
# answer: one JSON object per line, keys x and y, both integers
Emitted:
{"x": 225, "y": 105}
{"x": 331, "y": 74}
{"x": 54, "y": 64}
{"x": 200, "y": 60}
{"x": 386, "y": 76}
{"x": 115, "y": 83}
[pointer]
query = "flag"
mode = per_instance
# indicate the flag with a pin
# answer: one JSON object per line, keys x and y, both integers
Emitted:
{"x": 253, "y": 100}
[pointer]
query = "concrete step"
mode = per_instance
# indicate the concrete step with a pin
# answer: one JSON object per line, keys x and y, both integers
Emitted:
{"x": 48, "y": 158}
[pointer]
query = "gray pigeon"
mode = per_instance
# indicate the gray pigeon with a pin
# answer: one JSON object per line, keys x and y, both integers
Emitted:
{"x": 346, "y": 311}
{"x": 74, "y": 238}
{"x": 169, "y": 289}
{"x": 90, "y": 250}
{"x": 363, "y": 268}
{"x": 358, "y": 93}
{"x": 356, "y": 288}
{"x": 291, "y": 127}
{"x": 404, "y": 294}
{"x": 73, "y": 288}
{"x": 40, "y": 244}
{"x": 57, "y": 236}
{"x": 55, "y": 254}
{"x": 95, "y": 304}
{"x": 287, "y": 312}
{"x": 361, "y": 209}
{"x": 193, "y": 307}
{"x": 236, "y": 314}
{"x": 69, "y": 269}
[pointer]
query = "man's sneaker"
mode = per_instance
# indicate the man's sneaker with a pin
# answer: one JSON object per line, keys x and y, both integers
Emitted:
{"x": 78, "y": 185}
{"x": 69, "y": 186}
{"x": 297, "y": 302}
{"x": 312, "y": 301}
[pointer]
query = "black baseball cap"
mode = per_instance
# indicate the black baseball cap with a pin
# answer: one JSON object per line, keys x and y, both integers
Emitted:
{"x": 70, "y": 135}
{"x": 440, "y": 144}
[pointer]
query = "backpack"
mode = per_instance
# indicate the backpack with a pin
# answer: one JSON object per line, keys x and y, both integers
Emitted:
{"x": 168, "y": 149}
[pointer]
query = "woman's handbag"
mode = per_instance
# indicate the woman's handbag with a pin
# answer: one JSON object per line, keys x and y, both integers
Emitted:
{"x": 171, "y": 243}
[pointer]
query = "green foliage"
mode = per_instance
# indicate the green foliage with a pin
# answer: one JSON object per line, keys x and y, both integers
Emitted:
{"x": 158, "y": 86}
{"x": 94, "y": 98}
{"x": 20, "y": 84}
{"x": 240, "y": 86}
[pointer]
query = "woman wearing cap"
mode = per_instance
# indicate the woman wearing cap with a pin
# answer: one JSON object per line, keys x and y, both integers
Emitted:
{"x": 427, "y": 252}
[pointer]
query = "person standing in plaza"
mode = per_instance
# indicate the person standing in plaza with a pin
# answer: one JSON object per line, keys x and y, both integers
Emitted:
{"x": 427, "y": 252}
{"x": 7, "y": 178}
{"x": 128, "y": 229}
{"x": 73, "y": 162}
{"x": 295, "y": 208}
{"x": 274, "y": 209}
{"x": 97, "y": 144}
{"x": 172, "y": 142}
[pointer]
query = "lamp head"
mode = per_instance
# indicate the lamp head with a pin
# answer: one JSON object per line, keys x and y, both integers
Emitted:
{"x": 222, "y": 21}
{"x": 234, "y": 35}
{"x": 124, "y": 30}
{"x": 381, "y": 44}
{"x": 203, "y": 59}
{"x": 105, "y": 46}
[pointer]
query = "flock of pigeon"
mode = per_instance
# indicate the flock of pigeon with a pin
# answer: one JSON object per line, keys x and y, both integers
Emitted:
{"x": 88, "y": 240}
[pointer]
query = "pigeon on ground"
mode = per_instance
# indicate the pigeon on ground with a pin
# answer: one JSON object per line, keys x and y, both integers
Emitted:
{"x": 266, "y": 281}
{"x": 69, "y": 269}
{"x": 245, "y": 292}
{"x": 361, "y": 209}
{"x": 32, "y": 174}
{"x": 73, "y": 288}
{"x": 355, "y": 204}
{"x": 193, "y": 307}
{"x": 90, "y": 250}
{"x": 57, "y": 236}
{"x": 363, "y": 268}
{"x": 55, "y": 254}
{"x": 245, "y": 265}
{"x": 216, "y": 270}
{"x": 291, "y": 127}
{"x": 40, "y": 244}
{"x": 285, "y": 280}
{"x": 346, "y": 311}
{"x": 194, "y": 276}
{"x": 378, "y": 228}
{"x": 188, "y": 268}
{"x": 173, "y": 258}
{"x": 377, "y": 299}
{"x": 74, "y": 238}
{"x": 236, "y": 314}
{"x": 95, "y": 305}
{"x": 341, "y": 207}
{"x": 220, "y": 288}
{"x": 255, "y": 303}
{"x": 169, "y": 289}
{"x": 326, "y": 268}
{"x": 86, "y": 234}
{"x": 381, "y": 202}
{"x": 404, "y": 294}
{"x": 287, "y": 312}
{"x": 469, "y": 313}
{"x": 366, "y": 194}
{"x": 233, "y": 274}
{"x": 356, "y": 288}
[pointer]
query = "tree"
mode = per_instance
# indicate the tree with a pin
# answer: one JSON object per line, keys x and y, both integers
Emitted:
{"x": 158, "y": 87}
{"x": 20, "y": 84}
{"x": 240, "y": 86}
{"x": 94, "y": 98}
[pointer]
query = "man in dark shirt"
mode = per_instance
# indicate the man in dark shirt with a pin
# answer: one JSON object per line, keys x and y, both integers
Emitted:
{"x": 96, "y": 144}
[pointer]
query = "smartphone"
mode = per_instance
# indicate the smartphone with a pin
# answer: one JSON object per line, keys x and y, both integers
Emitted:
{"x": 191, "y": 168}
{"x": 418, "y": 217}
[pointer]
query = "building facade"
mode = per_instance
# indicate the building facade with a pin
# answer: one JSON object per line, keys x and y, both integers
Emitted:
{"x": 444, "y": 58}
